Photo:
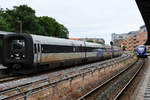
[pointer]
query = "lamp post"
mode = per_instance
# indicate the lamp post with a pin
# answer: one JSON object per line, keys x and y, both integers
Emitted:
{"x": 111, "y": 43}
{"x": 20, "y": 25}
{"x": 20, "y": 22}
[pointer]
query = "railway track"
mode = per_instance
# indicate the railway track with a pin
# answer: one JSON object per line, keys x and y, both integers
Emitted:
{"x": 7, "y": 78}
{"x": 23, "y": 90}
{"x": 113, "y": 88}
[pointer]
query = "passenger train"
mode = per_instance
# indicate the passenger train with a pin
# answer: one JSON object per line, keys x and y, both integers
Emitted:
{"x": 141, "y": 51}
{"x": 35, "y": 51}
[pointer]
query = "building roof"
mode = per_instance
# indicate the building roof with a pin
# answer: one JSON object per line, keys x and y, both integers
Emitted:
{"x": 74, "y": 39}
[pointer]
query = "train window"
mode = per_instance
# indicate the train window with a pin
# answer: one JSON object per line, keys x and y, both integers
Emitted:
{"x": 38, "y": 47}
{"x": 74, "y": 49}
{"x": 66, "y": 49}
{"x": 16, "y": 49}
{"x": 35, "y": 48}
{"x": 57, "y": 49}
{"x": 83, "y": 49}
{"x": 94, "y": 50}
{"x": 91, "y": 49}
{"x": 17, "y": 45}
{"x": 80, "y": 48}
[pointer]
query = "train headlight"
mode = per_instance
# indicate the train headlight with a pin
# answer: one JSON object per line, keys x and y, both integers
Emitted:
{"x": 16, "y": 55}
{"x": 11, "y": 56}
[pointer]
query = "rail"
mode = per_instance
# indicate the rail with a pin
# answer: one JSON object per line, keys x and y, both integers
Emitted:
{"x": 114, "y": 87}
{"x": 49, "y": 83}
{"x": 125, "y": 87}
{"x": 101, "y": 85}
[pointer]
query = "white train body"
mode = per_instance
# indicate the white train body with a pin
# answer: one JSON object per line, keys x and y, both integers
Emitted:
{"x": 36, "y": 50}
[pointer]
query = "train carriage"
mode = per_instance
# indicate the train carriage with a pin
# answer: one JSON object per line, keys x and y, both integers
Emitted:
{"x": 23, "y": 50}
{"x": 141, "y": 51}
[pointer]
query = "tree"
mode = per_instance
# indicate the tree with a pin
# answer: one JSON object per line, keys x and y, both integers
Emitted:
{"x": 3, "y": 23}
{"x": 100, "y": 42}
{"x": 48, "y": 24}
{"x": 63, "y": 33}
{"x": 52, "y": 27}
{"x": 9, "y": 21}
{"x": 26, "y": 15}
{"x": 123, "y": 48}
{"x": 90, "y": 41}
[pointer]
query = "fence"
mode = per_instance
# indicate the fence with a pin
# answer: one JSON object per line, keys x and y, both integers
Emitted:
{"x": 50, "y": 91}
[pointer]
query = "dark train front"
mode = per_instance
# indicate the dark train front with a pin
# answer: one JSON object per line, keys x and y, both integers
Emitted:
{"x": 17, "y": 51}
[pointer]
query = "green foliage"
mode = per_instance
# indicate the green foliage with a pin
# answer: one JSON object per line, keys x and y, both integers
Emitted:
{"x": 90, "y": 41}
{"x": 50, "y": 25}
{"x": 9, "y": 21}
{"x": 3, "y": 24}
{"x": 123, "y": 48}
{"x": 99, "y": 42}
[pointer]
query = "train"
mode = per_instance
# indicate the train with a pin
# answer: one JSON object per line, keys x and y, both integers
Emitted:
{"x": 2, "y": 33}
{"x": 141, "y": 51}
{"x": 21, "y": 51}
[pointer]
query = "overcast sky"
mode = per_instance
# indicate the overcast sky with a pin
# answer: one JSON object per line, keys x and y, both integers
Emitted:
{"x": 87, "y": 18}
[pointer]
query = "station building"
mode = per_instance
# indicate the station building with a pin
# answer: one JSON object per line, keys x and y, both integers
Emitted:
{"x": 131, "y": 42}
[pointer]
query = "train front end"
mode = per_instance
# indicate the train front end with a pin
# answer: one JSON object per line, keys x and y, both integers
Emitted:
{"x": 141, "y": 51}
{"x": 17, "y": 51}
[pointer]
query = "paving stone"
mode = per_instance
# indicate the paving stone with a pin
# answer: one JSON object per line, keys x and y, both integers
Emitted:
{"x": 144, "y": 90}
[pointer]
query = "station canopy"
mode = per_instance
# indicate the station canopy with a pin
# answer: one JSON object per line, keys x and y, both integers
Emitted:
{"x": 144, "y": 7}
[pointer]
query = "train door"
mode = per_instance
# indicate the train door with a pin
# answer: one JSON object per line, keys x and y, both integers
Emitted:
{"x": 84, "y": 49}
{"x": 104, "y": 52}
{"x": 38, "y": 53}
{"x": 81, "y": 50}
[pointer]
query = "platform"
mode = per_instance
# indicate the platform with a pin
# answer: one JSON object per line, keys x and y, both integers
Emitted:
{"x": 144, "y": 87}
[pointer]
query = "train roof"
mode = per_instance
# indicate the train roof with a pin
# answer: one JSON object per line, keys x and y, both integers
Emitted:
{"x": 60, "y": 41}
{"x": 89, "y": 44}
{"x": 2, "y": 33}
{"x": 141, "y": 46}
